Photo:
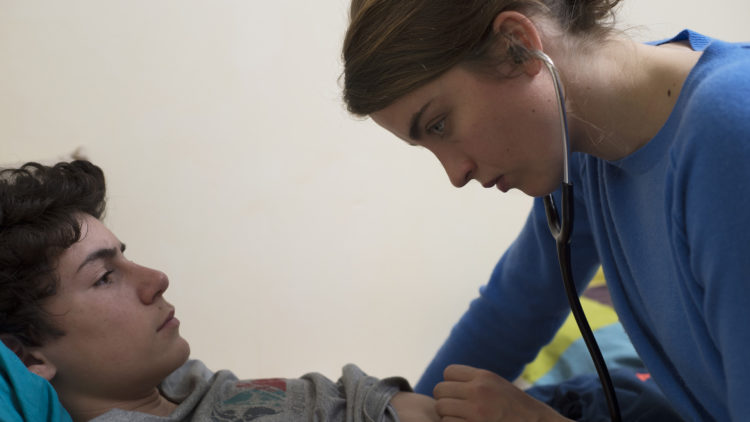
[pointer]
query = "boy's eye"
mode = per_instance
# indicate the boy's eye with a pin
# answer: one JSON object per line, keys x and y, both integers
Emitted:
{"x": 105, "y": 279}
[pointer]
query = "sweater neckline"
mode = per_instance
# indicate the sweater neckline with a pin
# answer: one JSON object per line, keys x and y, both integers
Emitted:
{"x": 644, "y": 158}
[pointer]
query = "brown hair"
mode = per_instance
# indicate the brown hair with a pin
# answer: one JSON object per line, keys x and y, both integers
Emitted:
{"x": 38, "y": 221}
{"x": 395, "y": 46}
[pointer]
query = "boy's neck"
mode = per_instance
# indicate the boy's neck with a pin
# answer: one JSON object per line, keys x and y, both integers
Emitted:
{"x": 85, "y": 409}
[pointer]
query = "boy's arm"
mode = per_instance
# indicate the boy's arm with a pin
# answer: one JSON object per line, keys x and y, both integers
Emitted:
{"x": 413, "y": 407}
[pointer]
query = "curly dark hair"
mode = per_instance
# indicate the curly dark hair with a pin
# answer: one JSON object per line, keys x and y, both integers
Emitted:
{"x": 38, "y": 207}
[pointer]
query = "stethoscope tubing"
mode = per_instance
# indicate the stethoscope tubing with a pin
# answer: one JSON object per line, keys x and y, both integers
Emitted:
{"x": 561, "y": 229}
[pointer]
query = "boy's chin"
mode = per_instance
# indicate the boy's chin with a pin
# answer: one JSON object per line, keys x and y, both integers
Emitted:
{"x": 185, "y": 352}
{"x": 177, "y": 357}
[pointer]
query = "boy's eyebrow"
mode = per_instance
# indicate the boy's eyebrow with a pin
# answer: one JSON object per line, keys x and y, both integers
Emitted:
{"x": 414, "y": 129}
{"x": 100, "y": 254}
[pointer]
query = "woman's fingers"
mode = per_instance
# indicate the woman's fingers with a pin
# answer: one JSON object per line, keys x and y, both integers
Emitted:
{"x": 450, "y": 389}
{"x": 460, "y": 373}
{"x": 477, "y": 395}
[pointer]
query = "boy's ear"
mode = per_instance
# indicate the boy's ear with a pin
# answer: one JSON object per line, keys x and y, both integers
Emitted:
{"x": 38, "y": 363}
{"x": 34, "y": 359}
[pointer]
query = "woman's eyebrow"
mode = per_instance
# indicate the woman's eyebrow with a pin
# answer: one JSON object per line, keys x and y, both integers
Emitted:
{"x": 414, "y": 129}
{"x": 102, "y": 253}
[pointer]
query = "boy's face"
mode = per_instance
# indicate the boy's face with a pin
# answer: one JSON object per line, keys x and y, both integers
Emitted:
{"x": 120, "y": 338}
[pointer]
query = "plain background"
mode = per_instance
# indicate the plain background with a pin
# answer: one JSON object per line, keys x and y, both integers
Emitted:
{"x": 296, "y": 237}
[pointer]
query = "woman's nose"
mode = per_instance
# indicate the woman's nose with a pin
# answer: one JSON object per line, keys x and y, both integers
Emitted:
{"x": 460, "y": 169}
{"x": 151, "y": 285}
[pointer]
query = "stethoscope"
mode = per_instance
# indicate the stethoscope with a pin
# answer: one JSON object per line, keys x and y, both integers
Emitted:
{"x": 561, "y": 229}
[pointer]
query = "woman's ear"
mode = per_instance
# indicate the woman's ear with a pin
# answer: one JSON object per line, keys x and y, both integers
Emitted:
{"x": 522, "y": 37}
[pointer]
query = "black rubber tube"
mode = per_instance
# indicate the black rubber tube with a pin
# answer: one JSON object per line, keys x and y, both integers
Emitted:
{"x": 563, "y": 255}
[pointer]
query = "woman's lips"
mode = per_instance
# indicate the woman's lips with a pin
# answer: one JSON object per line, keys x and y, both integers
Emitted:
{"x": 502, "y": 184}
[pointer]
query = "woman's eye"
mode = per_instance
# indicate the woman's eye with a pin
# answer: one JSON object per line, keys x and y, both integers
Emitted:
{"x": 104, "y": 280}
{"x": 438, "y": 128}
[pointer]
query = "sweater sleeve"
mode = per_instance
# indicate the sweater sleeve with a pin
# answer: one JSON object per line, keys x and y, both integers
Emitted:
{"x": 521, "y": 307}
{"x": 710, "y": 208}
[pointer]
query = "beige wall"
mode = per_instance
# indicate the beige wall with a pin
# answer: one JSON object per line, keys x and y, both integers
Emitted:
{"x": 296, "y": 238}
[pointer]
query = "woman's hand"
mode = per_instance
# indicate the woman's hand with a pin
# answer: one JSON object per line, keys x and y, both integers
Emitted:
{"x": 476, "y": 395}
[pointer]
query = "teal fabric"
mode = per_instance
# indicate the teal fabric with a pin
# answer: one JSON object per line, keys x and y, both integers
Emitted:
{"x": 25, "y": 396}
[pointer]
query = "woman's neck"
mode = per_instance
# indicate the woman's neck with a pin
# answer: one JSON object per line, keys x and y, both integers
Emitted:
{"x": 621, "y": 96}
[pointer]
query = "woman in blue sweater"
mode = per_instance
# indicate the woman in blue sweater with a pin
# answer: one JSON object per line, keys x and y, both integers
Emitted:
{"x": 660, "y": 140}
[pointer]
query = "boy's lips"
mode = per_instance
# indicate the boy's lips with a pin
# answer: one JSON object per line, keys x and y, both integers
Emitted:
{"x": 170, "y": 319}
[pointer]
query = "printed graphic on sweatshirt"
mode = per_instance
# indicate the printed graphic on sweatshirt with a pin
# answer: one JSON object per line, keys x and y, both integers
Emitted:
{"x": 249, "y": 401}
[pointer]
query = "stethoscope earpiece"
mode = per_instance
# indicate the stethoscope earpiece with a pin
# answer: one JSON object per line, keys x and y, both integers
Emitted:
{"x": 560, "y": 94}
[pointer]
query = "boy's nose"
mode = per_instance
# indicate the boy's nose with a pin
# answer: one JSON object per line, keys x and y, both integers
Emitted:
{"x": 153, "y": 283}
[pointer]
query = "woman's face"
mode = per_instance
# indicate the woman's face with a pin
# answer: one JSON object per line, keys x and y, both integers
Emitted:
{"x": 502, "y": 132}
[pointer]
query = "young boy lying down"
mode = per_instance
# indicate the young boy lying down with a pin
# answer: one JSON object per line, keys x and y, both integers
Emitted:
{"x": 98, "y": 327}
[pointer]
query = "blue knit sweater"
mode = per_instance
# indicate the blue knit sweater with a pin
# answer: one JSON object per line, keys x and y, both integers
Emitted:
{"x": 670, "y": 225}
